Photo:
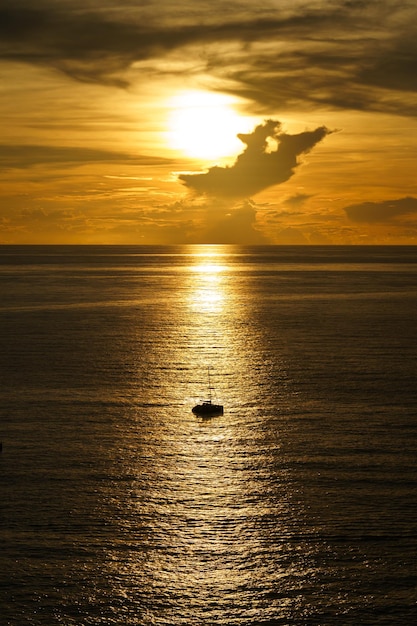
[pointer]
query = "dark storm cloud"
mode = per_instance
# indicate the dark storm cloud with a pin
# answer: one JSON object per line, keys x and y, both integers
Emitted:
{"x": 24, "y": 156}
{"x": 350, "y": 53}
{"x": 381, "y": 211}
{"x": 259, "y": 166}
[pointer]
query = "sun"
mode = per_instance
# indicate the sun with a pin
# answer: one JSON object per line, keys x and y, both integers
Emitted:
{"x": 204, "y": 125}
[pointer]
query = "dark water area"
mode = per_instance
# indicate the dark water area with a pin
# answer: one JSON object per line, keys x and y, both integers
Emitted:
{"x": 118, "y": 505}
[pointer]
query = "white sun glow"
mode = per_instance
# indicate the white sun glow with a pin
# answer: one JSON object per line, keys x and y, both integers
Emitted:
{"x": 204, "y": 125}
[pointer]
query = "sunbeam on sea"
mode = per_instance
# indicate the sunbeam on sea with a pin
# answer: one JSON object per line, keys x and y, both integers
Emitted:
{"x": 297, "y": 506}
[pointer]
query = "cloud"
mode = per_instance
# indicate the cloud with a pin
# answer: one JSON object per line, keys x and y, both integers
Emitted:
{"x": 386, "y": 211}
{"x": 357, "y": 54}
{"x": 98, "y": 43}
{"x": 258, "y": 167}
{"x": 296, "y": 201}
{"x": 212, "y": 220}
{"x": 238, "y": 225}
{"x": 291, "y": 237}
{"x": 25, "y": 156}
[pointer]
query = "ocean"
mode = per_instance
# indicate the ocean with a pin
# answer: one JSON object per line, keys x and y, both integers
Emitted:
{"x": 119, "y": 506}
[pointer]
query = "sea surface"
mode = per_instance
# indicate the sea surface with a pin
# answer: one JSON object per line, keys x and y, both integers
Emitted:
{"x": 119, "y": 506}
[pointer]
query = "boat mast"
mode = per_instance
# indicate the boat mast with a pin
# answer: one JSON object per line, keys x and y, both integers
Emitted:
{"x": 209, "y": 383}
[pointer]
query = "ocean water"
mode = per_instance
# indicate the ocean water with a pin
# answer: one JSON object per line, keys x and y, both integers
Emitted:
{"x": 119, "y": 506}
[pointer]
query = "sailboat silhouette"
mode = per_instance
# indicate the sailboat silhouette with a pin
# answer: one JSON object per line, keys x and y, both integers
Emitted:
{"x": 207, "y": 408}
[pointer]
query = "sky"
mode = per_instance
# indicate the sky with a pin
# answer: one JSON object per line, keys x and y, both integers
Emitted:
{"x": 166, "y": 122}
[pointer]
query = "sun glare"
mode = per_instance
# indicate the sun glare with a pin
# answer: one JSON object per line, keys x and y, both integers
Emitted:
{"x": 204, "y": 125}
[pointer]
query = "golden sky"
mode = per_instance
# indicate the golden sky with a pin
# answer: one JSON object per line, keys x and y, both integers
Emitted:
{"x": 154, "y": 121}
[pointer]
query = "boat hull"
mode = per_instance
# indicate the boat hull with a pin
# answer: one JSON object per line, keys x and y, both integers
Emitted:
{"x": 207, "y": 409}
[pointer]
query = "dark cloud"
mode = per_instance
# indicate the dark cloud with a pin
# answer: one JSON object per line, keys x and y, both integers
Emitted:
{"x": 96, "y": 44}
{"x": 258, "y": 167}
{"x": 381, "y": 211}
{"x": 358, "y": 54}
{"x": 24, "y": 156}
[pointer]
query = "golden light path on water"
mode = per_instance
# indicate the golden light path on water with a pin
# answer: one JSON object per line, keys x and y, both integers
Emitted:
{"x": 208, "y": 295}
{"x": 212, "y": 494}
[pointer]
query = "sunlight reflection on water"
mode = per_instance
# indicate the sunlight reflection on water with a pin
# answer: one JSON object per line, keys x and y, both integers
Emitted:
{"x": 207, "y": 290}
{"x": 211, "y": 487}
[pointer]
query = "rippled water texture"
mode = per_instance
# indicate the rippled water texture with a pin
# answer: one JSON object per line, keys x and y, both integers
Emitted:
{"x": 119, "y": 506}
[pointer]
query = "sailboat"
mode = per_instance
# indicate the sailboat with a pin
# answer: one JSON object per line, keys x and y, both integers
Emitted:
{"x": 207, "y": 408}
